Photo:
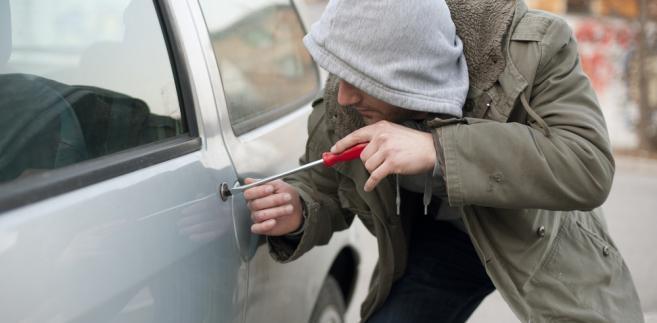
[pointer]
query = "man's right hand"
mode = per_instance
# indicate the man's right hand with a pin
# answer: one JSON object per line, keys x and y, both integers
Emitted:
{"x": 275, "y": 208}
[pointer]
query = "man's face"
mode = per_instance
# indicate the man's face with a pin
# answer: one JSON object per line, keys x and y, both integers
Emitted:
{"x": 371, "y": 108}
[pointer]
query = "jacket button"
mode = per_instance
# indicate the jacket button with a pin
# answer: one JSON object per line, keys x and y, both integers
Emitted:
{"x": 605, "y": 251}
{"x": 541, "y": 232}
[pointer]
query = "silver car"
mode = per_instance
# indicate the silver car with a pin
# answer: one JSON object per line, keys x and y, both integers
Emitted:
{"x": 122, "y": 122}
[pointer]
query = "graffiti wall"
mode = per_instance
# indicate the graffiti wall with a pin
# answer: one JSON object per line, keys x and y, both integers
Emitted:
{"x": 604, "y": 49}
{"x": 607, "y": 49}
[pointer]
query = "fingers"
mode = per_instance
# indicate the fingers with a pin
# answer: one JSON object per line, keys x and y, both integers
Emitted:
{"x": 373, "y": 162}
{"x": 361, "y": 135}
{"x": 263, "y": 228}
{"x": 275, "y": 208}
{"x": 374, "y": 156}
{"x": 377, "y": 176}
{"x": 370, "y": 149}
{"x": 272, "y": 213}
{"x": 258, "y": 191}
{"x": 269, "y": 201}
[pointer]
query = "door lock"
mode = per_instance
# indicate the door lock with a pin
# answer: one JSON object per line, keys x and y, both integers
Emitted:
{"x": 224, "y": 191}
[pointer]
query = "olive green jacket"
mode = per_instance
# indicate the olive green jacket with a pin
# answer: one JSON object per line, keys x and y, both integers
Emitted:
{"x": 528, "y": 167}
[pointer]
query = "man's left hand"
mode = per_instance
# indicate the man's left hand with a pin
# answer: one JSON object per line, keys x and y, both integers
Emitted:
{"x": 392, "y": 149}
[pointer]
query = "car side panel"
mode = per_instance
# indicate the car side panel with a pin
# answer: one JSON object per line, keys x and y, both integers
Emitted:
{"x": 151, "y": 246}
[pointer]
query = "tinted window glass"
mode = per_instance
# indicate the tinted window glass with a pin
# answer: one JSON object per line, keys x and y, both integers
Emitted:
{"x": 265, "y": 69}
{"x": 80, "y": 79}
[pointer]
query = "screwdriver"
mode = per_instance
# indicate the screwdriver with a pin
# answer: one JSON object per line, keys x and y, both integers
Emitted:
{"x": 328, "y": 160}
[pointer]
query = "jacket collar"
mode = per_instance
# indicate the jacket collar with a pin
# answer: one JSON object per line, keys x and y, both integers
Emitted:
{"x": 482, "y": 26}
{"x": 511, "y": 81}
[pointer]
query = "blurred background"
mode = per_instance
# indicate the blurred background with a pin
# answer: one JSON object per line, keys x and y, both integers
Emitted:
{"x": 618, "y": 49}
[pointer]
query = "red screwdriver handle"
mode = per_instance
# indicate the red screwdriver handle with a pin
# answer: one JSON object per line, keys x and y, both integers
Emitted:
{"x": 347, "y": 155}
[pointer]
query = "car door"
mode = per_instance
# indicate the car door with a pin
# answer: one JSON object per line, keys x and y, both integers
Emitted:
{"x": 265, "y": 82}
{"x": 111, "y": 158}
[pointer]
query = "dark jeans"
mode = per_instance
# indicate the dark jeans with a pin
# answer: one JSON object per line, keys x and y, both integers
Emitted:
{"x": 444, "y": 281}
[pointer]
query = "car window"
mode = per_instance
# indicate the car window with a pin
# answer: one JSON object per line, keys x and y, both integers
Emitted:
{"x": 81, "y": 79}
{"x": 265, "y": 69}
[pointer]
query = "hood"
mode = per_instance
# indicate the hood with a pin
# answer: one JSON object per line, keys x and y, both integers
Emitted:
{"x": 406, "y": 55}
{"x": 481, "y": 24}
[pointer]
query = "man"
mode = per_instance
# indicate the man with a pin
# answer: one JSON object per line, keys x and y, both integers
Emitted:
{"x": 504, "y": 198}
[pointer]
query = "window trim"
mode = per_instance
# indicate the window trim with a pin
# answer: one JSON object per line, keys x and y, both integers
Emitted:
{"x": 37, "y": 187}
{"x": 51, "y": 183}
{"x": 178, "y": 67}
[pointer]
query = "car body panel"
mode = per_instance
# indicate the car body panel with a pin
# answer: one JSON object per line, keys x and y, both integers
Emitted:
{"x": 61, "y": 256}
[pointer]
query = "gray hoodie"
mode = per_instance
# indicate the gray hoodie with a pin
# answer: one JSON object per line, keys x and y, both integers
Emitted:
{"x": 404, "y": 53}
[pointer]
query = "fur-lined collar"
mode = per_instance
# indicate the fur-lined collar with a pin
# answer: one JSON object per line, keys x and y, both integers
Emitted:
{"x": 482, "y": 26}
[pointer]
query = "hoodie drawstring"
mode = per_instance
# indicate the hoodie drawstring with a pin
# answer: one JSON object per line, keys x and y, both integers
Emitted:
{"x": 398, "y": 198}
{"x": 426, "y": 197}
{"x": 541, "y": 123}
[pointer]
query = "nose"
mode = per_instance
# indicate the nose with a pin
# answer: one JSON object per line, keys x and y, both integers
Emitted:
{"x": 348, "y": 94}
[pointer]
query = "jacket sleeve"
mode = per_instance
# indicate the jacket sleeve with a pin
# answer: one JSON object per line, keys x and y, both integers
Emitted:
{"x": 318, "y": 190}
{"x": 513, "y": 165}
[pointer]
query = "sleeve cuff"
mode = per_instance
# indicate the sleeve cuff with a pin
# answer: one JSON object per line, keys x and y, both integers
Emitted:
{"x": 439, "y": 167}
{"x": 439, "y": 187}
{"x": 296, "y": 235}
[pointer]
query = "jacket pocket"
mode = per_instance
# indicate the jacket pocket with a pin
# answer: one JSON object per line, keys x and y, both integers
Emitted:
{"x": 582, "y": 253}
{"x": 578, "y": 274}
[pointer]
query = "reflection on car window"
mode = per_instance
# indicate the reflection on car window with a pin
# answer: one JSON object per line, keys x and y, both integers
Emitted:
{"x": 79, "y": 80}
{"x": 265, "y": 69}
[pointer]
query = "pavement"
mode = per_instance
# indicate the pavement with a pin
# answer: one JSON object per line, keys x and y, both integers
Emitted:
{"x": 630, "y": 211}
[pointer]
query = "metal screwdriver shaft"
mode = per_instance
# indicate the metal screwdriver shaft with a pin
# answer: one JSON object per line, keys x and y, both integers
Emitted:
{"x": 328, "y": 160}
{"x": 278, "y": 176}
